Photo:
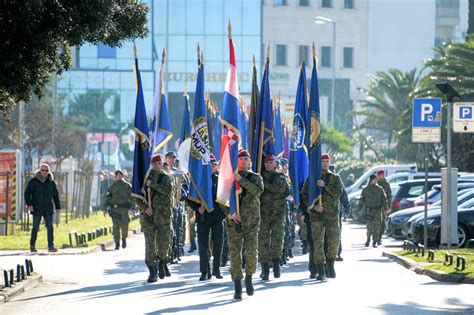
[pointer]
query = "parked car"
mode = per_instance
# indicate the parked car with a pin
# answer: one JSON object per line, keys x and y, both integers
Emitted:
{"x": 362, "y": 181}
{"x": 401, "y": 177}
{"x": 465, "y": 227}
{"x": 410, "y": 189}
{"x": 434, "y": 195}
{"x": 396, "y": 223}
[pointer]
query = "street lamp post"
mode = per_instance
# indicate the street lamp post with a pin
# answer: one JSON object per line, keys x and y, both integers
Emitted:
{"x": 324, "y": 20}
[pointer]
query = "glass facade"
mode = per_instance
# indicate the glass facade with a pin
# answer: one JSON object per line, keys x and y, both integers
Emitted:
{"x": 178, "y": 26}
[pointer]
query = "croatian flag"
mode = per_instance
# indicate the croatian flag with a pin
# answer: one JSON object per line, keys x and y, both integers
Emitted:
{"x": 227, "y": 188}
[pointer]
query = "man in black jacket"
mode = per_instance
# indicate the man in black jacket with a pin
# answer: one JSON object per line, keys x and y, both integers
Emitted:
{"x": 40, "y": 194}
{"x": 209, "y": 223}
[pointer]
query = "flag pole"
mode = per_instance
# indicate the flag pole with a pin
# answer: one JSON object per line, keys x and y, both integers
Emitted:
{"x": 315, "y": 58}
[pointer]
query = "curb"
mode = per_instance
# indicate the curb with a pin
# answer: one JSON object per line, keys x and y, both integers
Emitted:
{"x": 434, "y": 274}
{"x": 74, "y": 251}
{"x": 32, "y": 281}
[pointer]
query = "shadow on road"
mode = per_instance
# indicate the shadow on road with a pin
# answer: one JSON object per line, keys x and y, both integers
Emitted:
{"x": 415, "y": 308}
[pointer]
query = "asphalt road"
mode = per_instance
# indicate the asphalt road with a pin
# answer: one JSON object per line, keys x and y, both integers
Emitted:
{"x": 114, "y": 282}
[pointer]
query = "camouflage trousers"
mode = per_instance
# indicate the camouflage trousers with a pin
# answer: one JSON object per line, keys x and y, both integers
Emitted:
{"x": 270, "y": 236}
{"x": 374, "y": 226}
{"x": 302, "y": 231}
{"x": 321, "y": 230}
{"x": 157, "y": 239}
{"x": 248, "y": 238}
{"x": 382, "y": 226}
{"x": 191, "y": 224}
{"x": 120, "y": 222}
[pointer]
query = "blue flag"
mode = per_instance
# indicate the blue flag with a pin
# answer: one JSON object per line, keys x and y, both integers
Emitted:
{"x": 199, "y": 159}
{"x": 161, "y": 131}
{"x": 264, "y": 141}
{"x": 313, "y": 139}
{"x": 243, "y": 129}
{"x": 141, "y": 155}
{"x": 278, "y": 131}
{"x": 217, "y": 135}
{"x": 185, "y": 124}
{"x": 298, "y": 150}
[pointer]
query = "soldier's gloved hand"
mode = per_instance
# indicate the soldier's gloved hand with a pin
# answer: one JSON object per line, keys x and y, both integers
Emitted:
{"x": 320, "y": 183}
{"x": 302, "y": 218}
{"x": 319, "y": 208}
{"x": 148, "y": 183}
{"x": 105, "y": 213}
{"x": 388, "y": 211}
{"x": 201, "y": 209}
{"x": 149, "y": 212}
{"x": 236, "y": 218}
{"x": 237, "y": 177}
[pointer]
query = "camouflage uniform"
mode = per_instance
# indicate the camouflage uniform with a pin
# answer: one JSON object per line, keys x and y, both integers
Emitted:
{"x": 388, "y": 192}
{"x": 119, "y": 202}
{"x": 252, "y": 187}
{"x": 373, "y": 200}
{"x": 326, "y": 224}
{"x": 157, "y": 228}
{"x": 272, "y": 213}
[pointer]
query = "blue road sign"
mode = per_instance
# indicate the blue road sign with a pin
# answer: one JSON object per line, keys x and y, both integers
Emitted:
{"x": 427, "y": 113}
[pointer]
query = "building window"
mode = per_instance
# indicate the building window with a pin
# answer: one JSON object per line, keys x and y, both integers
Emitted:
{"x": 326, "y": 3}
{"x": 348, "y": 4}
{"x": 281, "y": 55}
{"x": 104, "y": 51}
{"x": 348, "y": 57}
{"x": 304, "y": 3}
{"x": 306, "y": 54}
{"x": 325, "y": 56}
{"x": 280, "y": 2}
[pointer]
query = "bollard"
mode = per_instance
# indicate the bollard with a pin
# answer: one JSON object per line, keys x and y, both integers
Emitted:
{"x": 23, "y": 276}
{"x": 405, "y": 245}
{"x": 5, "y": 279}
{"x": 31, "y": 266}
{"x": 460, "y": 263}
{"x": 77, "y": 239}
{"x": 105, "y": 231}
{"x": 27, "y": 264}
{"x": 18, "y": 273}
{"x": 94, "y": 235}
{"x": 431, "y": 254}
{"x": 89, "y": 236}
{"x": 84, "y": 238}
{"x": 421, "y": 248}
{"x": 11, "y": 277}
{"x": 449, "y": 257}
{"x": 97, "y": 232}
{"x": 70, "y": 238}
{"x": 414, "y": 248}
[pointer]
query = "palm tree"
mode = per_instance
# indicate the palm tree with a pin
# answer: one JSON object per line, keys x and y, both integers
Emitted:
{"x": 389, "y": 96}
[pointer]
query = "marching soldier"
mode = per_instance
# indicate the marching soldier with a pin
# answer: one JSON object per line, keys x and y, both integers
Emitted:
{"x": 374, "y": 201}
{"x": 210, "y": 223}
{"x": 118, "y": 202}
{"x": 156, "y": 218}
{"x": 272, "y": 213}
{"x": 324, "y": 219}
{"x": 382, "y": 182}
{"x": 243, "y": 227}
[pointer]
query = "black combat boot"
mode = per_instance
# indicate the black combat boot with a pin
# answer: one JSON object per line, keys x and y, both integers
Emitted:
{"x": 265, "y": 271}
{"x": 152, "y": 277}
{"x": 321, "y": 272}
{"x": 216, "y": 273}
{"x": 117, "y": 245}
{"x": 167, "y": 271}
{"x": 124, "y": 243}
{"x": 248, "y": 285}
{"x": 203, "y": 276}
{"x": 209, "y": 273}
{"x": 304, "y": 249}
{"x": 161, "y": 269}
{"x": 261, "y": 273}
{"x": 313, "y": 270}
{"x": 276, "y": 268}
{"x": 192, "y": 248}
{"x": 330, "y": 268}
{"x": 374, "y": 244}
{"x": 367, "y": 243}
{"x": 238, "y": 290}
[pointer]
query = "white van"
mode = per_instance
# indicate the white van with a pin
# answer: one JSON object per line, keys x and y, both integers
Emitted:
{"x": 362, "y": 181}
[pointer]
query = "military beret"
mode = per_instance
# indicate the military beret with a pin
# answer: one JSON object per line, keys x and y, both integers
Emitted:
{"x": 243, "y": 153}
{"x": 379, "y": 172}
{"x": 325, "y": 156}
{"x": 157, "y": 158}
{"x": 269, "y": 158}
